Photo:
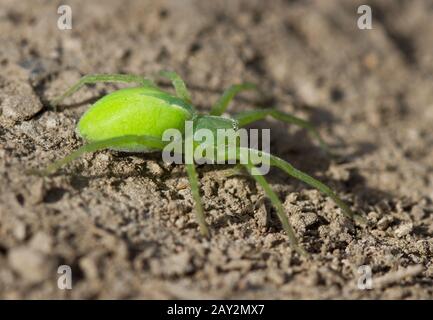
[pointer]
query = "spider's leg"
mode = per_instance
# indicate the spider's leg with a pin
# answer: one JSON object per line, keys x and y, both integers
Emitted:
{"x": 94, "y": 78}
{"x": 292, "y": 171}
{"x": 146, "y": 141}
{"x": 221, "y": 105}
{"x": 247, "y": 117}
{"x": 178, "y": 84}
{"x": 195, "y": 190}
{"x": 280, "y": 210}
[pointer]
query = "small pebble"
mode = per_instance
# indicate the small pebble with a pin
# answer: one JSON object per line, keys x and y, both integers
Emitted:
{"x": 155, "y": 168}
{"x": 384, "y": 223}
{"x": 31, "y": 264}
{"x": 417, "y": 212}
{"x": 18, "y": 101}
{"x": 42, "y": 242}
{"x": 404, "y": 230}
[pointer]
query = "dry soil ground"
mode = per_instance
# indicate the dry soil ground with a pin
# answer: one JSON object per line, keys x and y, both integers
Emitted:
{"x": 124, "y": 223}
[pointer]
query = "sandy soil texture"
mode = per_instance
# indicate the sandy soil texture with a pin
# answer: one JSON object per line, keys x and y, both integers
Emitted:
{"x": 124, "y": 222}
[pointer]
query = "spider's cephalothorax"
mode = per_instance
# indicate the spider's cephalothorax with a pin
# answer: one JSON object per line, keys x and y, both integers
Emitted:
{"x": 135, "y": 119}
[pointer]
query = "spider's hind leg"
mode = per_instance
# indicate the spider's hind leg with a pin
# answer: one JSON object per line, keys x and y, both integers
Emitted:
{"x": 95, "y": 78}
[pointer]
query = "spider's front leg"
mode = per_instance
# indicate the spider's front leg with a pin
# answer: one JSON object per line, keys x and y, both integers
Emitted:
{"x": 95, "y": 78}
{"x": 280, "y": 210}
{"x": 302, "y": 176}
{"x": 246, "y": 117}
{"x": 195, "y": 191}
{"x": 221, "y": 105}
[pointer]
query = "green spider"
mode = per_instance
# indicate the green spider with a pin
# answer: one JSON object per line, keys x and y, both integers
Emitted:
{"x": 134, "y": 119}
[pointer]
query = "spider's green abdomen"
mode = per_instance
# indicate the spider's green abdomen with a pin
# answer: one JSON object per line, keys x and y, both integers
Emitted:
{"x": 134, "y": 111}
